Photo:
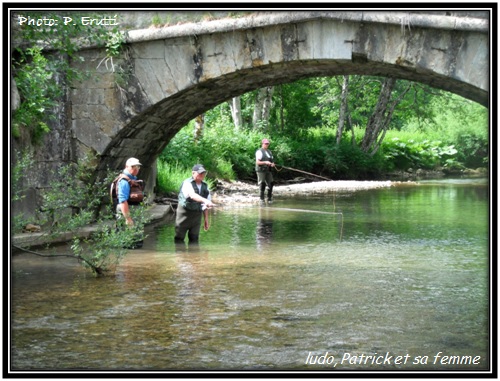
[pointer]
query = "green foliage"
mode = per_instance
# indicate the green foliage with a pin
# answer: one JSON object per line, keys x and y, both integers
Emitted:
{"x": 23, "y": 162}
{"x": 321, "y": 155}
{"x": 346, "y": 161}
{"x": 314, "y": 149}
{"x": 216, "y": 151}
{"x": 41, "y": 76}
{"x": 38, "y": 91}
{"x": 293, "y": 109}
{"x": 114, "y": 45}
{"x": 107, "y": 245}
{"x": 19, "y": 185}
{"x": 458, "y": 122}
{"x": 423, "y": 154}
{"x": 430, "y": 129}
{"x": 156, "y": 21}
{"x": 170, "y": 176}
{"x": 472, "y": 148}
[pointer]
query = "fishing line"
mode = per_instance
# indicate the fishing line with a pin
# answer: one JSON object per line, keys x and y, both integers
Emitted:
{"x": 314, "y": 211}
{"x": 342, "y": 217}
{"x": 298, "y": 170}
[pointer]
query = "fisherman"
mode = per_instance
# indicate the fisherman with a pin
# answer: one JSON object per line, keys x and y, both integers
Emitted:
{"x": 264, "y": 161}
{"x": 194, "y": 201}
{"x": 129, "y": 194}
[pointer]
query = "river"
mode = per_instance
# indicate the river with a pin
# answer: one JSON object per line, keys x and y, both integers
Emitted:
{"x": 392, "y": 279}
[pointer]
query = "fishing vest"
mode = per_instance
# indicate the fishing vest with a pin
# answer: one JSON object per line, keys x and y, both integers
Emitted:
{"x": 136, "y": 190}
{"x": 266, "y": 156}
{"x": 188, "y": 203}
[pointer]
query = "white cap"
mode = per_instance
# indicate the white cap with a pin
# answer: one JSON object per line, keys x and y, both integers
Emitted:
{"x": 199, "y": 168}
{"x": 132, "y": 161}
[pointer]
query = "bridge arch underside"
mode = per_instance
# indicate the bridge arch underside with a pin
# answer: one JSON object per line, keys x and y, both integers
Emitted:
{"x": 149, "y": 132}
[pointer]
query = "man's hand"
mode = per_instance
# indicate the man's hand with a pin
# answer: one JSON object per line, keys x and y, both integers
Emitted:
{"x": 209, "y": 204}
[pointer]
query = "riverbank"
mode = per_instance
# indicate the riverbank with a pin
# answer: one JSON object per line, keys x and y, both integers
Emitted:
{"x": 239, "y": 192}
{"x": 245, "y": 193}
{"x": 156, "y": 212}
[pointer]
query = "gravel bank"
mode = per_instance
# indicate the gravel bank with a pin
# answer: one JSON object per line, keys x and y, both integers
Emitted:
{"x": 238, "y": 192}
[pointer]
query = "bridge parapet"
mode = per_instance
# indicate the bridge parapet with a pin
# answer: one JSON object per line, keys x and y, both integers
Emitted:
{"x": 460, "y": 21}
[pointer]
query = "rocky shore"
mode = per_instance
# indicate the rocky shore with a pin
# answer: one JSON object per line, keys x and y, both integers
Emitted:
{"x": 237, "y": 192}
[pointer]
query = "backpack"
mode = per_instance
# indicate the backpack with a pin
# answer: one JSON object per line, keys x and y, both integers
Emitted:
{"x": 136, "y": 190}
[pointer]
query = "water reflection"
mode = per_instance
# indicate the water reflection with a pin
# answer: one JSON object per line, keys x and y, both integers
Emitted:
{"x": 264, "y": 231}
{"x": 266, "y": 287}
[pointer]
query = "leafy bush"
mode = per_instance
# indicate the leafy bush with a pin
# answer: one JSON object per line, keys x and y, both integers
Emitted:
{"x": 170, "y": 176}
{"x": 418, "y": 154}
{"x": 225, "y": 152}
{"x": 40, "y": 77}
{"x": 38, "y": 91}
{"x": 472, "y": 148}
{"x": 347, "y": 161}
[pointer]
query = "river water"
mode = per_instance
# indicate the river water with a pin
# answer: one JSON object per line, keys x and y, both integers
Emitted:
{"x": 390, "y": 279}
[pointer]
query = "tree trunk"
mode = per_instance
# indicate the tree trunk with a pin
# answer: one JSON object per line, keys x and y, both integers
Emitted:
{"x": 392, "y": 107}
{"x": 343, "y": 108}
{"x": 266, "y": 109}
{"x": 257, "y": 108}
{"x": 235, "y": 106}
{"x": 376, "y": 121}
{"x": 262, "y": 107}
{"x": 353, "y": 136}
{"x": 381, "y": 117}
{"x": 199, "y": 126}
{"x": 282, "y": 116}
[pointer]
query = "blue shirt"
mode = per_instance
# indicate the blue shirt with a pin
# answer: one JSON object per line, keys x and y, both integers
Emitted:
{"x": 124, "y": 187}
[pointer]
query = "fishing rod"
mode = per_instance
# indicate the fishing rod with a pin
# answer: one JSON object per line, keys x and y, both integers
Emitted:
{"x": 307, "y": 173}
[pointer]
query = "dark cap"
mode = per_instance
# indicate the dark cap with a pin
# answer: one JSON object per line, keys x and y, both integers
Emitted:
{"x": 199, "y": 168}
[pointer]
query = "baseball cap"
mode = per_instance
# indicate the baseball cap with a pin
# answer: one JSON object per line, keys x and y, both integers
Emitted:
{"x": 265, "y": 141}
{"x": 132, "y": 161}
{"x": 199, "y": 168}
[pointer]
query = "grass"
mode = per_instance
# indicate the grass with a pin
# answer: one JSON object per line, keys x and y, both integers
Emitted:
{"x": 171, "y": 176}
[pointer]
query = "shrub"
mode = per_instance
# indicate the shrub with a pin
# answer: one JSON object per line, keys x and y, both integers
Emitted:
{"x": 418, "y": 154}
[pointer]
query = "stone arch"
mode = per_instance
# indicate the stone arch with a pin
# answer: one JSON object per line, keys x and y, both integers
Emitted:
{"x": 148, "y": 133}
{"x": 175, "y": 78}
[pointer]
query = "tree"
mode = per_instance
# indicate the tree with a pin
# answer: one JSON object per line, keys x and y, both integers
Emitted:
{"x": 293, "y": 107}
{"x": 199, "y": 126}
{"x": 343, "y": 108}
{"x": 235, "y": 106}
{"x": 262, "y": 107}
{"x": 381, "y": 117}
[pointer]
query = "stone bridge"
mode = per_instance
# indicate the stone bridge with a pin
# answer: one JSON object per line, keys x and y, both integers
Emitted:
{"x": 168, "y": 76}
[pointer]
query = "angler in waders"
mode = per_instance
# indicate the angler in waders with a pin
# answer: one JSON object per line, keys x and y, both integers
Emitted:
{"x": 194, "y": 202}
{"x": 263, "y": 163}
{"x": 129, "y": 193}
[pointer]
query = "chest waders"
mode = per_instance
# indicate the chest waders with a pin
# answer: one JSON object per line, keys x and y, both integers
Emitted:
{"x": 188, "y": 215}
{"x": 265, "y": 176}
